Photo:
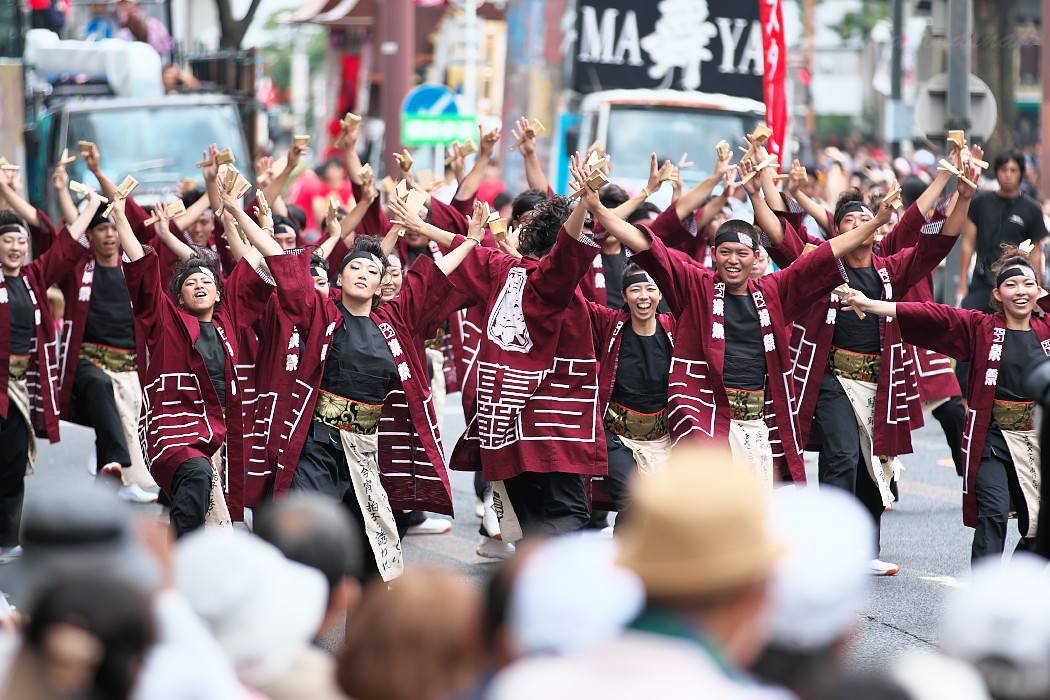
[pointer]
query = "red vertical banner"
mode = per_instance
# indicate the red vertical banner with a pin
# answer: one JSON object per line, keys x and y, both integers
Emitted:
{"x": 774, "y": 75}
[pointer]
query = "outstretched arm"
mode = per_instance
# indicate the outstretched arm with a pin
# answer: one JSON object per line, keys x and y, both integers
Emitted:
{"x": 533, "y": 168}
{"x": 858, "y": 300}
{"x": 260, "y": 239}
{"x": 412, "y": 221}
{"x": 452, "y": 259}
{"x": 692, "y": 200}
{"x": 94, "y": 163}
{"x": 163, "y": 230}
{"x": 20, "y": 206}
{"x": 651, "y": 188}
{"x": 469, "y": 187}
{"x": 128, "y": 242}
{"x": 60, "y": 181}
{"x": 275, "y": 187}
{"x": 765, "y": 219}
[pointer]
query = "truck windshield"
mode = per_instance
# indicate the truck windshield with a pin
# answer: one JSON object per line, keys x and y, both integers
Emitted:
{"x": 635, "y": 132}
{"x": 159, "y": 146}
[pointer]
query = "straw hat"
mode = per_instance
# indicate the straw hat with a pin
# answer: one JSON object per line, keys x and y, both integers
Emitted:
{"x": 698, "y": 526}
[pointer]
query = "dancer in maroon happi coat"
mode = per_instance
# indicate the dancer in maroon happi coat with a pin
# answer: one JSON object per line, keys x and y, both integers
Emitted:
{"x": 1003, "y": 467}
{"x": 29, "y": 386}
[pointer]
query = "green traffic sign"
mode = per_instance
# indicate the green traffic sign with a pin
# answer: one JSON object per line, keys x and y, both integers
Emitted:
{"x": 436, "y": 130}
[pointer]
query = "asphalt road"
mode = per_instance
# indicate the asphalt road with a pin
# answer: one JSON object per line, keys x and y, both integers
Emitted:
{"x": 923, "y": 533}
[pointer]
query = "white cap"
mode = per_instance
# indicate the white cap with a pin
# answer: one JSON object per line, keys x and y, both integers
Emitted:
{"x": 927, "y": 675}
{"x": 570, "y": 594}
{"x": 1001, "y": 625}
{"x": 821, "y": 584}
{"x": 262, "y": 608}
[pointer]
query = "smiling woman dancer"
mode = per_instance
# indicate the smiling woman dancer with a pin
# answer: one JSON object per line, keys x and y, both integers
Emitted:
{"x": 634, "y": 347}
{"x": 1001, "y": 445}
{"x": 29, "y": 386}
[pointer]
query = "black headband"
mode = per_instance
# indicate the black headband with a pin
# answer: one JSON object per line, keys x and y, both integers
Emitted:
{"x": 849, "y": 208}
{"x": 736, "y": 237}
{"x": 285, "y": 228}
{"x": 1015, "y": 271}
{"x": 364, "y": 255}
{"x": 13, "y": 228}
{"x": 206, "y": 271}
{"x": 637, "y": 278}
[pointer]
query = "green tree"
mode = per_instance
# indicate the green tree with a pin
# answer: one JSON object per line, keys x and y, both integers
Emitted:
{"x": 285, "y": 39}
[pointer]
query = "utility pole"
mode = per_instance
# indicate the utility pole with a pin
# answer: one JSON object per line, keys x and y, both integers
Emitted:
{"x": 897, "y": 37}
{"x": 397, "y": 62}
{"x": 960, "y": 32}
{"x": 811, "y": 52}
{"x": 1044, "y": 109}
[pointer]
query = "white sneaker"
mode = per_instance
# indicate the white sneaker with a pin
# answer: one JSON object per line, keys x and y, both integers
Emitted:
{"x": 489, "y": 519}
{"x": 137, "y": 494}
{"x": 9, "y": 554}
{"x": 430, "y": 526}
{"x": 493, "y": 548}
{"x": 112, "y": 471}
{"x": 883, "y": 568}
{"x": 479, "y": 508}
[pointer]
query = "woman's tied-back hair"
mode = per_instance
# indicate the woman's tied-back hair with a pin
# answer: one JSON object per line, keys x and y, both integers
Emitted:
{"x": 1012, "y": 257}
{"x": 175, "y": 287}
{"x": 539, "y": 228}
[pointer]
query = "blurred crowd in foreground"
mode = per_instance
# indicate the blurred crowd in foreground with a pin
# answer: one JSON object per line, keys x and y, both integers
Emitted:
{"x": 709, "y": 589}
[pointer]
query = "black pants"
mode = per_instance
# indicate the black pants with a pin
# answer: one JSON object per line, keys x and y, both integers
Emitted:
{"x": 549, "y": 503}
{"x": 14, "y": 457}
{"x": 997, "y": 487}
{"x": 323, "y": 469}
{"x": 977, "y": 297}
{"x": 952, "y": 415}
{"x": 190, "y": 495}
{"x": 841, "y": 462}
{"x": 97, "y": 407}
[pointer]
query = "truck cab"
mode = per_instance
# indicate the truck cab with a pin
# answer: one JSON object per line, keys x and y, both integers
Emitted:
{"x": 158, "y": 140}
{"x": 632, "y": 124}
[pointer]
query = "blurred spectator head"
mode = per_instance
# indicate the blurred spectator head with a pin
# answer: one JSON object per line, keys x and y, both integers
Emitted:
{"x": 525, "y": 202}
{"x": 911, "y": 190}
{"x": 1001, "y": 625}
{"x": 285, "y": 232}
{"x": 1009, "y": 167}
{"x": 297, "y": 214}
{"x": 926, "y": 675}
{"x": 261, "y": 607}
{"x": 612, "y": 196}
{"x": 201, "y": 229}
{"x": 644, "y": 214}
{"x": 820, "y": 586}
{"x": 503, "y": 203}
{"x": 319, "y": 533}
{"x": 332, "y": 171}
{"x": 545, "y": 611}
{"x": 697, "y": 537}
{"x": 87, "y": 637}
{"x": 70, "y": 529}
{"x": 420, "y": 640}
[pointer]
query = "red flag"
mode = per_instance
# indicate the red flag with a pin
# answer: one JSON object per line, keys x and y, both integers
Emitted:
{"x": 774, "y": 74}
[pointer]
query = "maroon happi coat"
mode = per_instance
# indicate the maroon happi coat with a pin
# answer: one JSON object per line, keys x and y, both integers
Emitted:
{"x": 77, "y": 282}
{"x": 411, "y": 463}
{"x": 42, "y": 236}
{"x": 974, "y": 337}
{"x": 535, "y": 374}
{"x": 698, "y": 406}
{"x": 42, "y": 376}
{"x": 933, "y": 370}
{"x": 897, "y": 407}
{"x": 181, "y": 416}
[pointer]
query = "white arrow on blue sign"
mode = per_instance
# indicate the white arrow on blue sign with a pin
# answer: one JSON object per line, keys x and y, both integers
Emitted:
{"x": 431, "y": 99}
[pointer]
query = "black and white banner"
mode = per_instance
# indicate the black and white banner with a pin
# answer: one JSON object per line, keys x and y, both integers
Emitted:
{"x": 712, "y": 46}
